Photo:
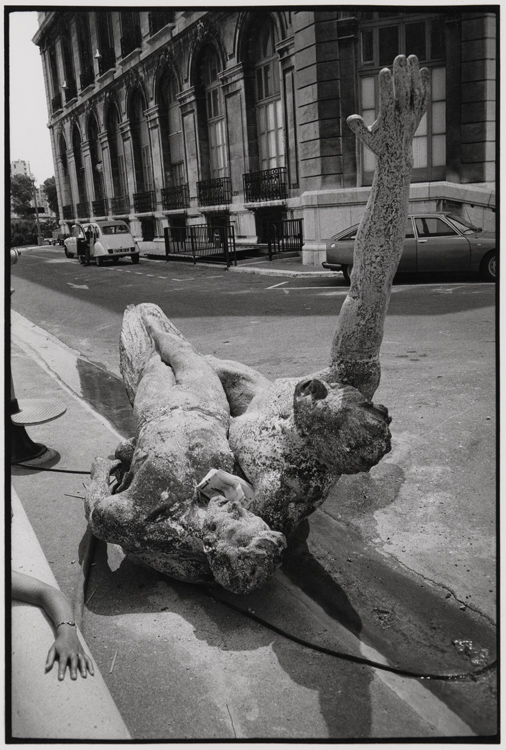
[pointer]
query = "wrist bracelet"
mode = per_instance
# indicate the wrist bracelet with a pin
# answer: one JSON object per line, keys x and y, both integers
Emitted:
{"x": 66, "y": 622}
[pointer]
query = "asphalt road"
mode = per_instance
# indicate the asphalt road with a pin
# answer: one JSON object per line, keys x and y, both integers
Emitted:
{"x": 414, "y": 568}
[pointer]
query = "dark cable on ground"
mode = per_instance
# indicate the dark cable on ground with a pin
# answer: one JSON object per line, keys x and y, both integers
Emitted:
{"x": 59, "y": 471}
{"x": 79, "y": 604}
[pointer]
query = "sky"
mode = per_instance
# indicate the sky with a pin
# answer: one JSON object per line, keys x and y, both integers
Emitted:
{"x": 28, "y": 116}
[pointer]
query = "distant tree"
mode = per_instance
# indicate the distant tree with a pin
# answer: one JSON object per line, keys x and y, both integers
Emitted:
{"x": 21, "y": 195}
{"x": 49, "y": 187}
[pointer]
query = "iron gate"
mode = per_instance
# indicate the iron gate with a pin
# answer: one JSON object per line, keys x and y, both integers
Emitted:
{"x": 214, "y": 243}
{"x": 285, "y": 236}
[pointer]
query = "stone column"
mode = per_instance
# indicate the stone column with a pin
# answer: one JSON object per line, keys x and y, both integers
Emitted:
{"x": 106, "y": 167}
{"x": 188, "y": 104}
{"x": 232, "y": 82}
{"x": 74, "y": 187}
{"x": 153, "y": 119}
{"x": 126, "y": 134}
{"x": 88, "y": 174}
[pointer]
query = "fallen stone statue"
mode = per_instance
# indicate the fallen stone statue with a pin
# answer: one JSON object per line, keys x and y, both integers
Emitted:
{"x": 289, "y": 439}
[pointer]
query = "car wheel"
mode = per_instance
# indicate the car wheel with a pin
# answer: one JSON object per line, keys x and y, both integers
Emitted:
{"x": 347, "y": 273}
{"x": 135, "y": 258}
{"x": 115, "y": 260}
{"x": 68, "y": 254}
{"x": 488, "y": 267}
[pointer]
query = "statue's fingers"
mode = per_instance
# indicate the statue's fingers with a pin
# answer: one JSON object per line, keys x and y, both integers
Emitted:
{"x": 386, "y": 90}
{"x": 402, "y": 82}
{"x": 357, "y": 124}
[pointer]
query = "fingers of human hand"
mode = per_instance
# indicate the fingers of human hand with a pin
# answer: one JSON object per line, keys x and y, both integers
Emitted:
{"x": 73, "y": 667}
{"x": 386, "y": 91}
{"x": 62, "y": 666}
{"x": 51, "y": 656}
{"x": 402, "y": 82}
{"x": 419, "y": 86}
{"x": 357, "y": 124}
{"x": 89, "y": 665}
{"x": 82, "y": 665}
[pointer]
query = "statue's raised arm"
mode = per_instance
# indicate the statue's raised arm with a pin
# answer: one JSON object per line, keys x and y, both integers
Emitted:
{"x": 378, "y": 246}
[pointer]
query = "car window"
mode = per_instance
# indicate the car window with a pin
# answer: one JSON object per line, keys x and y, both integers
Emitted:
{"x": 428, "y": 226}
{"x": 350, "y": 236}
{"x": 77, "y": 232}
{"x": 464, "y": 228}
{"x": 409, "y": 229}
{"x": 115, "y": 229}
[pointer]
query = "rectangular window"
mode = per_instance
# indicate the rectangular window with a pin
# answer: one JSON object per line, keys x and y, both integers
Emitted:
{"x": 437, "y": 40}
{"x": 388, "y": 44}
{"x": 416, "y": 40}
{"x": 367, "y": 46}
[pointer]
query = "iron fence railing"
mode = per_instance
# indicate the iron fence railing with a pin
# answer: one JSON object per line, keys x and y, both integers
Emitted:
{"x": 83, "y": 209}
{"x": 285, "y": 236}
{"x": 175, "y": 197}
{"x": 107, "y": 61}
{"x": 131, "y": 41}
{"x": 119, "y": 205}
{"x": 56, "y": 102}
{"x": 267, "y": 185}
{"x": 215, "y": 244}
{"x": 214, "y": 192}
{"x": 158, "y": 19}
{"x": 87, "y": 77}
{"x": 144, "y": 202}
{"x": 68, "y": 212}
{"x": 99, "y": 207}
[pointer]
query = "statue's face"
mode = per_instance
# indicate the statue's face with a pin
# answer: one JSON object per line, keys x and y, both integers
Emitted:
{"x": 242, "y": 550}
{"x": 345, "y": 430}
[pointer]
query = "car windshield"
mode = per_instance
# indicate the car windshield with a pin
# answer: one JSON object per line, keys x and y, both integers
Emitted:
{"x": 463, "y": 226}
{"x": 115, "y": 229}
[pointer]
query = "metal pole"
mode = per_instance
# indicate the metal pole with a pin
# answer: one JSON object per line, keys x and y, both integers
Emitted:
{"x": 39, "y": 235}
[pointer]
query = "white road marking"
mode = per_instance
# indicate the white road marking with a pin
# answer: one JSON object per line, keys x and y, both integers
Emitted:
{"x": 161, "y": 277}
{"x": 190, "y": 278}
{"x": 77, "y": 286}
{"x": 276, "y": 285}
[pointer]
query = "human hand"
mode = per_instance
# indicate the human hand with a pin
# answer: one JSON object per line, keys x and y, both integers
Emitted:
{"x": 102, "y": 468}
{"x": 404, "y": 94}
{"x": 67, "y": 650}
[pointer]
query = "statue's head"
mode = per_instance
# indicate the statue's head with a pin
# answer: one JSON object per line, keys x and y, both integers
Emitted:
{"x": 241, "y": 549}
{"x": 345, "y": 430}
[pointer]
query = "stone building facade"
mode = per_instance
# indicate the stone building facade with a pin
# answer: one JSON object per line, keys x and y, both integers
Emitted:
{"x": 177, "y": 117}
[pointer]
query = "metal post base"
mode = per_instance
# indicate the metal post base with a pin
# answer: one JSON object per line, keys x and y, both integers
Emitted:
{"x": 22, "y": 446}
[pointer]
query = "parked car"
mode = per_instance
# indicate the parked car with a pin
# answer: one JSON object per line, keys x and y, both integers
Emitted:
{"x": 107, "y": 240}
{"x": 434, "y": 242}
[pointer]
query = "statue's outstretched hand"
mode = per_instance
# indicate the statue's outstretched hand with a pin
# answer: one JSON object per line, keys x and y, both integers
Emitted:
{"x": 403, "y": 100}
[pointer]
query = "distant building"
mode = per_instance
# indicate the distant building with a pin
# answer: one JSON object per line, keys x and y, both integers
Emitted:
{"x": 173, "y": 117}
{"x": 21, "y": 167}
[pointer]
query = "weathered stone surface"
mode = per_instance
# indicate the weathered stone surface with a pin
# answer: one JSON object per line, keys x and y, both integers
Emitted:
{"x": 291, "y": 439}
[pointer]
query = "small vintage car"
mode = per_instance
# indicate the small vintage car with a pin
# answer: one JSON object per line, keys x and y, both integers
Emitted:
{"x": 433, "y": 243}
{"x": 107, "y": 240}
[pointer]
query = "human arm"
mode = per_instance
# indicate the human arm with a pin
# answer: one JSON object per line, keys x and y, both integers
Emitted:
{"x": 67, "y": 647}
{"x": 378, "y": 246}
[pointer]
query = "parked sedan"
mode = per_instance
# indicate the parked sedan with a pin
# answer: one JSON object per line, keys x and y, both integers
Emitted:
{"x": 433, "y": 243}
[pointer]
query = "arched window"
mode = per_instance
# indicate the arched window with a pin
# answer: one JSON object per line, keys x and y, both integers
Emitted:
{"x": 117, "y": 153}
{"x": 269, "y": 116}
{"x": 215, "y": 114}
{"x": 96, "y": 157}
{"x": 78, "y": 161}
{"x": 383, "y": 36}
{"x": 172, "y": 131}
{"x": 141, "y": 144}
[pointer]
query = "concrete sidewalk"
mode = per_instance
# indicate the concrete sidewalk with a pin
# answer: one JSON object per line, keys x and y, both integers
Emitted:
{"x": 179, "y": 665}
{"x": 287, "y": 266}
